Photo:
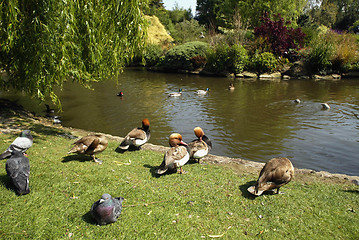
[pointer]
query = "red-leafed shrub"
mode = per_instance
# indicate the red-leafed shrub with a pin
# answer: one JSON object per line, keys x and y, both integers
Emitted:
{"x": 280, "y": 38}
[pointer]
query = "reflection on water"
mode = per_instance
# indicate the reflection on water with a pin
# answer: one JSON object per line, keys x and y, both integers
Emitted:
{"x": 256, "y": 121}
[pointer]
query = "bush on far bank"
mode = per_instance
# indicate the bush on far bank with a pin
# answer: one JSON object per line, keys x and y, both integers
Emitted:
{"x": 179, "y": 57}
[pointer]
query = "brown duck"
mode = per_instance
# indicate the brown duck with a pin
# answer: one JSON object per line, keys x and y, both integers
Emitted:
{"x": 201, "y": 146}
{"x": 275, "y": 173}
{"x": 137, "y": 136}
{"x": 90, "y": 145}
{"x": 176, "y": 156}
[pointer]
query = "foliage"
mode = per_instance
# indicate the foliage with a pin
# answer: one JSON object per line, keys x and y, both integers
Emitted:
{"x": 263, "y": 62}
{"x": 208, "y": 201}
{"x": 335, "y": 14}
{"x": 346, "y": 50}
{"x": 156, "y": 32}
{"x": 45, "y": 42}
{"x": 180, "y": 56}
{"x": 318, "y": 59}
{"x": 225, "y": 58}
{"x": 152, "y": 54}
{"x": 187, "y": 31}
{"x": 331, "y": 51}
{"x": 277, "y": 36}
{"x": 252, "y": 10}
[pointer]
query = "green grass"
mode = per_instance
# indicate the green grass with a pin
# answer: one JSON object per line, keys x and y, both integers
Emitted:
{"x": 209, "y": 201}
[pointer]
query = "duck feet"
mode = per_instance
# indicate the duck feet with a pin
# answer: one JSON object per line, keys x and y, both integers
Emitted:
{"x": 97, "y": 160}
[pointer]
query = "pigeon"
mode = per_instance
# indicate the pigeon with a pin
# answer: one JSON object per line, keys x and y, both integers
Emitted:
{"x": 18, "y": 170}
{"x": 90, "y": 145}
{"x": 137, "y": 136}
{"x": 107, "y": 209}
{"x": 199, "y": 147}
{"x": 21, "y": 144}
{"x": 275, "y": 173}
{"x": 176, "y": 156}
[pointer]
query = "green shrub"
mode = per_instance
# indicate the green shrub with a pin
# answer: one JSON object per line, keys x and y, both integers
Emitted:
{"x": 263, "y": 62}
{"x": 180, "y": 56}
{"x": 319, "y": 56}
{"x": 226, "y": 58}
{"x": 331, "y": 51}
{"x": 152, "y": 54}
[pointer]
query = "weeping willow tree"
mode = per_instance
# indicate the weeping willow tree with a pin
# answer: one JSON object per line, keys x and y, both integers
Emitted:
{"x": 44, "y": 43}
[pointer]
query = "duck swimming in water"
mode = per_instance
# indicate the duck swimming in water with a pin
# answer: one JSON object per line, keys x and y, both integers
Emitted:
{"x": 202, "y": 92}
{"x": 176, "y": 94}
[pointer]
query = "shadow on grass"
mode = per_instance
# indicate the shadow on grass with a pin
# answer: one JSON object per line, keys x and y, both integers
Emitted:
{"x": 5, "y": 180}
{"x": 87, "y": 217}
{"x": 152, "y": 170}
{"x": 351, "y": 191}
{"x": 130, "y": 149}
{"x": 245, "y": 192}
{"x": 78, "y": 157}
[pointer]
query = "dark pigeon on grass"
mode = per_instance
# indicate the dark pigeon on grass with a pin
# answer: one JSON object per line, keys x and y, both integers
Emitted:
{"x": 21, "y": 144}
{"x": 107, "y": 209}
{"x": 18, "y": 170}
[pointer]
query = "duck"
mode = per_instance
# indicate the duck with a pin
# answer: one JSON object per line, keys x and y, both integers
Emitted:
{"x": 120, "y": 94}
{"x": 48, "y": 109}
{"x": 137, "y": 136}
{"x": 325, "y": 106}
{"x": 176, "y": 156}
{"x": 201, "y": 146}
{"x": 90, "y": 145}
{"x": 176, "y": 94}
{"x": 231, "y": 87}
{"x": 297, "y": 100}
{"x": 21, "y": 144}
{"x": 275, "y": 173}
{"x": 202, "y": 92}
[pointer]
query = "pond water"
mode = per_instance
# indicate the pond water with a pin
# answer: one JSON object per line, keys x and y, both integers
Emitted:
{"x": 256, "y": 121}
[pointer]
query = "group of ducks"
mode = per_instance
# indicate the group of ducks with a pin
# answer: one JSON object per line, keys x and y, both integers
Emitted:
{"x": 275, "y": 173}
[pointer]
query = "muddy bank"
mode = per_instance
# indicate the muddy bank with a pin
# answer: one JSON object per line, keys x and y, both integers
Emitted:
{"x": 14, "y": 118}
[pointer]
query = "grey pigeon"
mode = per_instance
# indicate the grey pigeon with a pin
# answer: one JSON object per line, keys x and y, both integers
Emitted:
{"x": 18, "y": 169}
{"x": 21, "y": 144}
{"x": 107, "y": 209}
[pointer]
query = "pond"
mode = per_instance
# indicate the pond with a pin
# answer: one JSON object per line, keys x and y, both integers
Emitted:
{"x": 257, "y": 121}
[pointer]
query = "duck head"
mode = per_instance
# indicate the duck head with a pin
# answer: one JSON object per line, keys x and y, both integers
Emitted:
{"x": 198, "y": 132}
{"x": 145, "y": 123}
{"x": 175, "y": 139}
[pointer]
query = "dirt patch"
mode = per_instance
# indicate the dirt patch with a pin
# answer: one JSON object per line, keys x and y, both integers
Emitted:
{"x": 14, "y": 118}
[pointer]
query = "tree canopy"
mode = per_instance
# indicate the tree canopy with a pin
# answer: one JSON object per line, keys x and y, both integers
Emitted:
{"x": 46, "y": 42}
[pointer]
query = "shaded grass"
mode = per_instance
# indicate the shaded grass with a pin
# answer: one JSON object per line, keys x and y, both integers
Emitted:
{"x": 208, "y": 201}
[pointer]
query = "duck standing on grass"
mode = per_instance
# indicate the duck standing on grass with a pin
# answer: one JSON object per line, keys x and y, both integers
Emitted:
{"x": 21, "y": 144}
{"x": 201, "y": 146}
{"x": 275, "y": 173}
{"x": 107, "y": 209}
{"x": 18, "y": 170}
{"x": 176, "y": 156}
{"x": 137, "y": 137}
{"x": 90, "y": 145}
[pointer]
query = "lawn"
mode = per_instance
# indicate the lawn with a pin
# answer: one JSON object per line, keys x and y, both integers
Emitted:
{"x": 209, "y": 201}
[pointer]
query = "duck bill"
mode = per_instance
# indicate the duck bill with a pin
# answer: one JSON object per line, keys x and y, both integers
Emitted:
{"x": 183, "y": 143}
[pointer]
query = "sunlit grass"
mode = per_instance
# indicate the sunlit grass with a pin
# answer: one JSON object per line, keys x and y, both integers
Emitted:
{"x": 209, "y": 201}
